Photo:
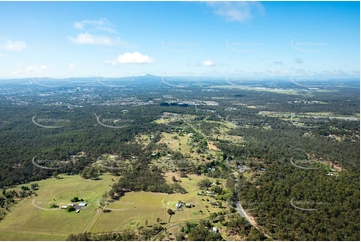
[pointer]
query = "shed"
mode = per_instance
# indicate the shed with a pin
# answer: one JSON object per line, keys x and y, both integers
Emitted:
{"x": 178, "y": 205}
{"x": 82, "y": 204}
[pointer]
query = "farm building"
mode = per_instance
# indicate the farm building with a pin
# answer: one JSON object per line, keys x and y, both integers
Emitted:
{"x": 178, "y": 205}
{"x": 188, "y": 205}
{"x": 63, "y": 207}
{"x": 82, "y": 204}
{"x": 215, "y": 230}
{"x": 78, "y": 210}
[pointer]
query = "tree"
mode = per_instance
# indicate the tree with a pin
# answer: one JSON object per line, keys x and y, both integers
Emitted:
{"x": 34, "y": 186}
{"x": 179, "y": 236}
{"x": 146, "y": 223}
{"x": 170, "y": 212}
{"x": 55, "y": 174}
{"x": 54, "y": 205}
{"x": 70, "y": 208}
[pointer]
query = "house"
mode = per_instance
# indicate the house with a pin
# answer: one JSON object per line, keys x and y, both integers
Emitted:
{"x": 188, "y": 205}
{"x": 215, "y": 230}
{"x": 262, "y": 169}
{"x": 82, "y": 204}
{"x": 214, "y": 204}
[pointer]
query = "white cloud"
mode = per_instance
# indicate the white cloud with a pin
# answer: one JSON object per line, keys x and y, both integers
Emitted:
{"x": 110, "y": 62}
{"x": 208, "y": 63}
{"x": 134, "y": 58}
{"x": 86, "y": 38}
{"x": 278, "y": 63}
{"x": 13, "y": 45}
{"x": 32, "y": 69}
{"x": 101, "y": 24}
{"x": 236, "y": 11}
{"x": 336, "y": 72}
{"x": 36, "y": 68}
{"x": 299, "y": 61}
{"x": 277, "y": 72}
{"x": 72, "y": 66}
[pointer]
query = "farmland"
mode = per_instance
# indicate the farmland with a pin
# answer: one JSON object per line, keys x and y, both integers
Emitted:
{"x": 33, "y": 215}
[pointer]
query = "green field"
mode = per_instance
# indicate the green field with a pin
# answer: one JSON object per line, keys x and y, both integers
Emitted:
{"x": 32, "y": 218}
{"x": 137, "y": 207}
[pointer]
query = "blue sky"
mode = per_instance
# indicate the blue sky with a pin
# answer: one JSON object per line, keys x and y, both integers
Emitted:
{"x": 312, "y": 40}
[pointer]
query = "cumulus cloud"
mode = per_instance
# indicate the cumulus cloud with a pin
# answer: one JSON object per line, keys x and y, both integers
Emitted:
{"x": 86, "y": 38}
{"x": 278, "y": 63}
{"x": 208, "y": 63}
{"x": 236, "y": 11}
{"x": 101, "y": 24}
{"x": 134, "y": 58}
{"x": 299, "y": 61}
{"x": 131, "y": 58}
{"x": 36, "y": 68}
{"x": 32, "y": 69}
{"x": 13, "y": 45}
{"x": 72, "y": 66}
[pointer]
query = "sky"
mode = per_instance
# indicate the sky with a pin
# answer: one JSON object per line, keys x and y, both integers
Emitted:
{"x": 314, "y": 40}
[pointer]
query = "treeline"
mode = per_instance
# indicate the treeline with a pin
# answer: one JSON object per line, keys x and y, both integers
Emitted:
{"x": 105, "y": 236}
{"x": 142, "y": 178}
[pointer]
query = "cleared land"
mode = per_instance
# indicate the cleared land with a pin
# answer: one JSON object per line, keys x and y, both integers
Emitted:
{"x": 29, "y": 222}
{"x": 134, "y": 208}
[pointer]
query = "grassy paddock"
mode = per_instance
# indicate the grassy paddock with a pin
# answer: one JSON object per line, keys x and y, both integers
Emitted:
{"x": 32, "y": 217}
{"x": 136, "y": 207}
